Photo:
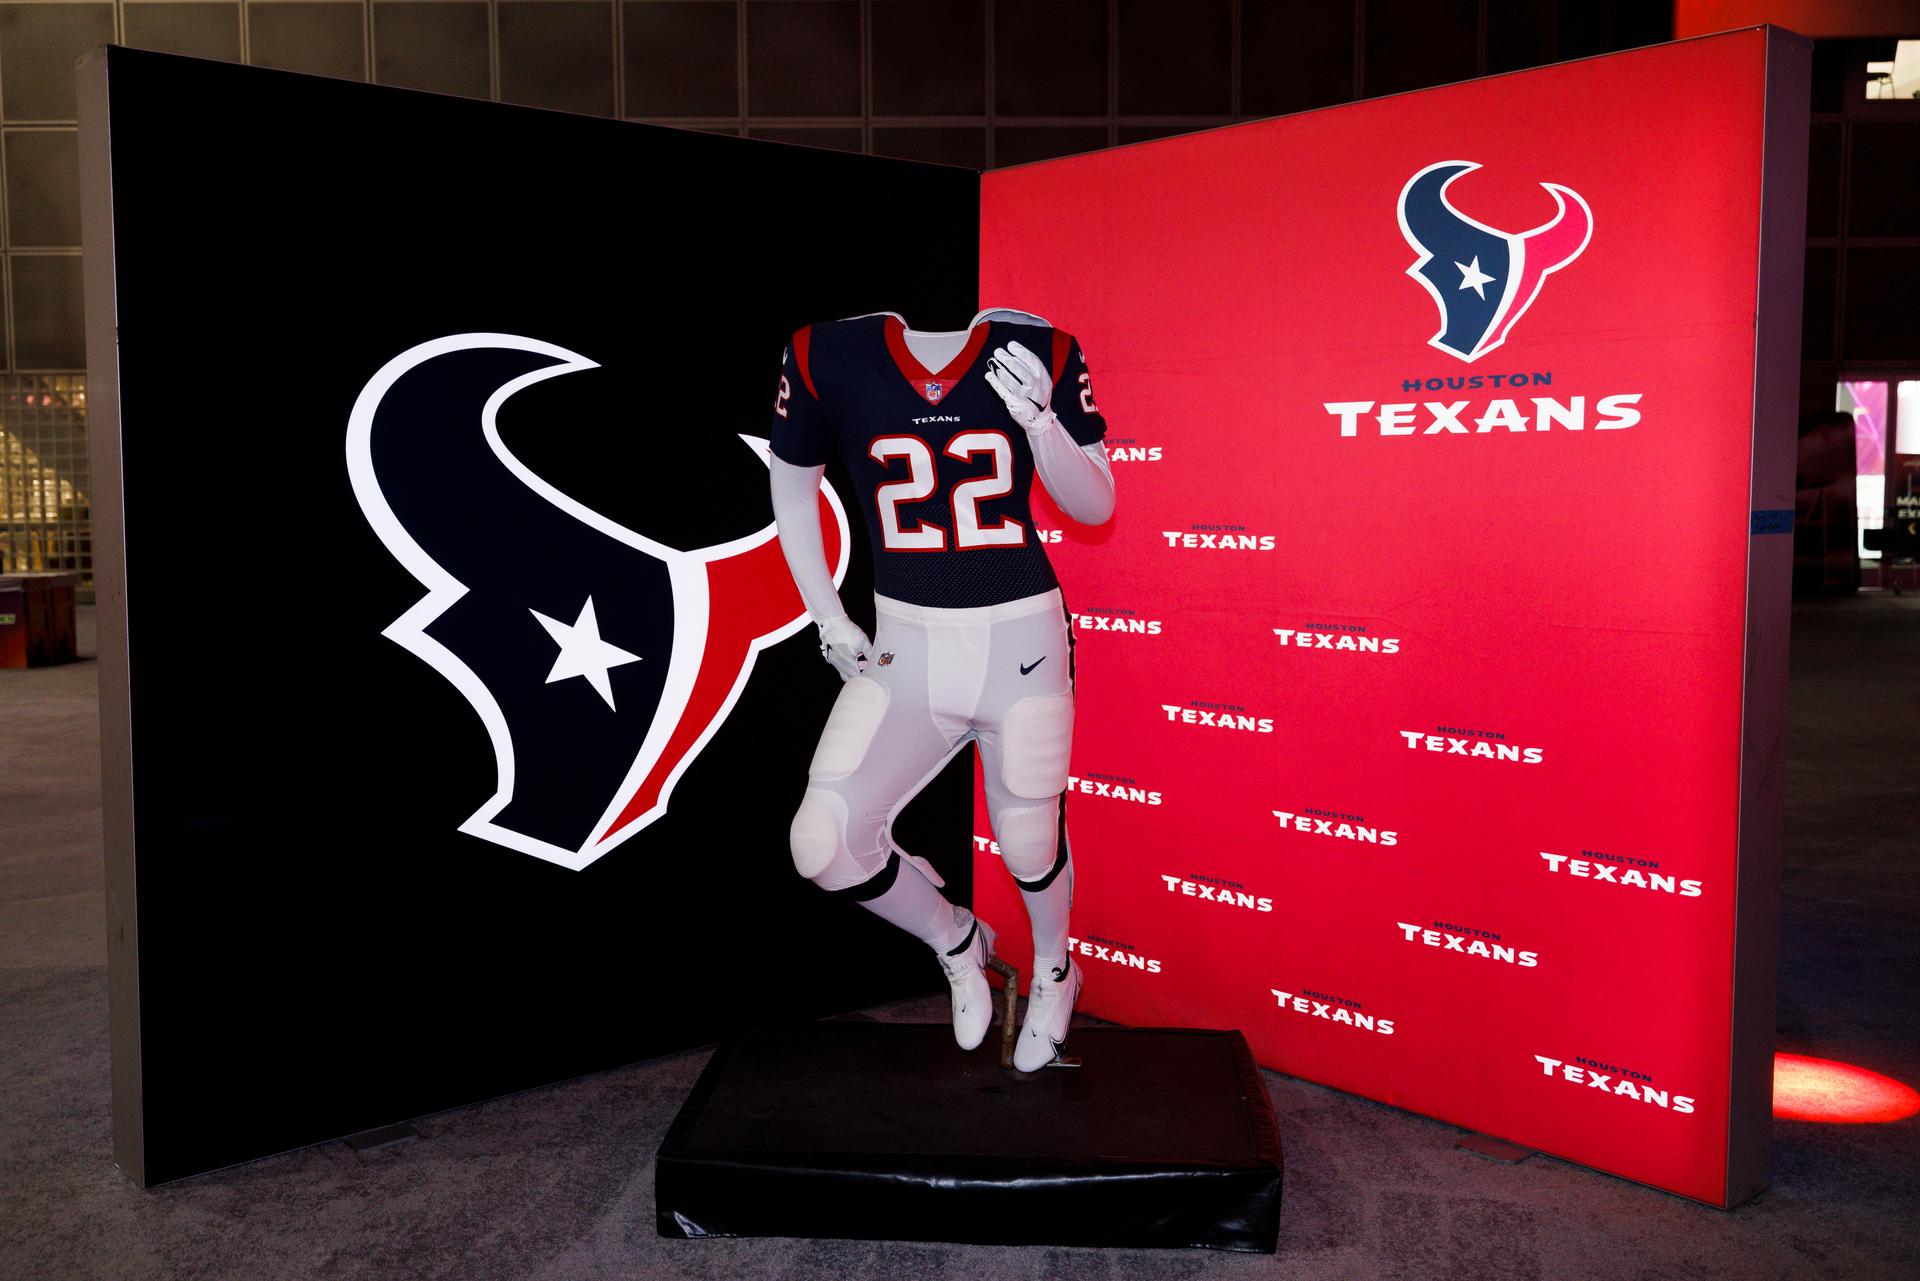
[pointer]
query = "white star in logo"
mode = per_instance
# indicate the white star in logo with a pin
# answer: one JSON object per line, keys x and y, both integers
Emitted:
{"x": 1471, "y": 277}
{"x": 582, "y": 652}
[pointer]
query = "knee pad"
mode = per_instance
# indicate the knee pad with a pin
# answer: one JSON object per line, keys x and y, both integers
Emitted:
{"x": 819, "y": 839}
{"x": 818, "y": 834}
{"x": 850, "y": 728}
{"x": 1035, "y": 740}
{"x": 1029, "y": 839}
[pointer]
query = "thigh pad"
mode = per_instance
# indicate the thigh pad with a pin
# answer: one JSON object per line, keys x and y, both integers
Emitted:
{"x": 850, "y": 728}
{"x": 1036, "y": 738}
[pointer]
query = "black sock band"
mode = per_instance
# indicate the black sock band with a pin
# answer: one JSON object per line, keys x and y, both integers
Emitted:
{"x": 966, "y": 942}
{"x": 1034, "y": 887}
{"x": 877, "y": 884}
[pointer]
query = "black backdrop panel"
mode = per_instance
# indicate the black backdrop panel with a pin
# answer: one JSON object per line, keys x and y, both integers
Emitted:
{"x": 320, "y": 949}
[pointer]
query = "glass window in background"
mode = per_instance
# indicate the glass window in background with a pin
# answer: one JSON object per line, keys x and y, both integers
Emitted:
{"x": 1905, "y": 476}
{"x": 46, "y": 522}
{"x": 1867, "y": 402}
{"x": 1899, "y": 78}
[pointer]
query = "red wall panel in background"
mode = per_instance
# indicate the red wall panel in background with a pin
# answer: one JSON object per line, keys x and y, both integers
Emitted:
{"x": 1411, "y": 669}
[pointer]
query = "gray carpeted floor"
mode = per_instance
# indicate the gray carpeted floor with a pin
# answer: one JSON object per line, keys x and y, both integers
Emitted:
{"x": 557, "y": 1182}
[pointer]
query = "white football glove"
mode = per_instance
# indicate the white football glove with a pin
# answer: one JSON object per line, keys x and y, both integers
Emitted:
{"x": 1023, "y": 382}
{"x": 845, "y": 646}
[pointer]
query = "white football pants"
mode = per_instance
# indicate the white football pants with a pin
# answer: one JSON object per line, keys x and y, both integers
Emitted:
{"x": 937, "y": 679}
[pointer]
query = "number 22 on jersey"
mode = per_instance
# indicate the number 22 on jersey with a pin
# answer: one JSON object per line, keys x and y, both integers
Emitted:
{"x": 923, "y": 478}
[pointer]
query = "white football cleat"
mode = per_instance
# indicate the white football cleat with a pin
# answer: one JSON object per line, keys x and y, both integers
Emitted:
{"x": 967, "y": 975}
{"x": 1050, "y": 999}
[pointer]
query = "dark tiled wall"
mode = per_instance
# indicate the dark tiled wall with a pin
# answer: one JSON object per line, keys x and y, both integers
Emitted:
{"x": 965, "y": 82}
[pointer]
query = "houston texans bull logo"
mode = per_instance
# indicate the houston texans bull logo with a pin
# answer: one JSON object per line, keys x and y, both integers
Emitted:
{"x": 1482, "y": 279}
{"x": 600, "y": 661}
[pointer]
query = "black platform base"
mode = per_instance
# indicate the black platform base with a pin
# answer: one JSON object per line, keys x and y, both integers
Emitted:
{"x": 888, "y": 1131}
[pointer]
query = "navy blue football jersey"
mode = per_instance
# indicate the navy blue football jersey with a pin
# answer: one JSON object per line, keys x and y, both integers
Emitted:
{"x": 941, "y": 470}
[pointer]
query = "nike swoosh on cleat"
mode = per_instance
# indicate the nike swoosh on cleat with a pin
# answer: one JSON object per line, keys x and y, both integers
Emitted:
{"x": 1028, "y": 667}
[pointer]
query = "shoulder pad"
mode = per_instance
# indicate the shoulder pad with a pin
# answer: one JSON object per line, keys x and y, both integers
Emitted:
{"x": 1012, "y": 316}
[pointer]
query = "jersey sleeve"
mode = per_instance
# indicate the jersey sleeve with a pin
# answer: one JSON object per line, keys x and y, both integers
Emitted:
{"x": 1073, "y": 392}
{"x": 801, "y": 433}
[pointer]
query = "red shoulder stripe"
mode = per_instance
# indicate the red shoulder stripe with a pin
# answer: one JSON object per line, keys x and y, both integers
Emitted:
{"x": 1062, "y": 344}
{"x": 802, "y": 340}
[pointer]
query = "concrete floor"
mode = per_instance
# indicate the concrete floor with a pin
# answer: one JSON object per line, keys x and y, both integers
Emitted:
{"x": 558, "y": 1182}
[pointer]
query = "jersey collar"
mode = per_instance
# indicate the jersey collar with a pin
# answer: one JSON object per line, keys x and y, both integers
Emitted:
{"x": 932, "y": 386}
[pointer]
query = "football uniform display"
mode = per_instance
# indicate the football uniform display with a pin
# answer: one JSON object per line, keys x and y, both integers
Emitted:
{"x": 972, "y": 642}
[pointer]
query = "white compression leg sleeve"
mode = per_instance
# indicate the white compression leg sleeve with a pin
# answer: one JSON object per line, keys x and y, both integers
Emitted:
{"x": 879, "y": 879}
{"x": 903, "y": 895}
{"x": 1049, "y": 903}
{"x": 1036, "y": 854}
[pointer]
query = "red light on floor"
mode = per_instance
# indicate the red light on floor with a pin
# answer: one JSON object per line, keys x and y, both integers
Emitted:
{"x": 1809, "y": 1089}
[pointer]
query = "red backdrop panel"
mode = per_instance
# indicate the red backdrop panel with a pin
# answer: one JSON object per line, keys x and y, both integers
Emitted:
{"x": 1488, "y": 664}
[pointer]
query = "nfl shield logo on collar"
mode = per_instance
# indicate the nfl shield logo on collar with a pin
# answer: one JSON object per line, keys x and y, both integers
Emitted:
{"x": 933, "y": 391}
